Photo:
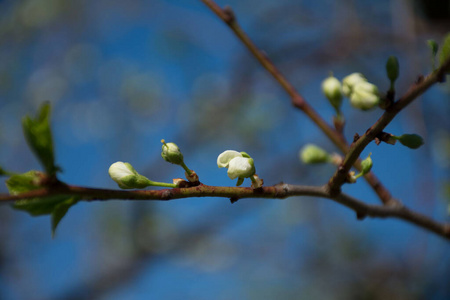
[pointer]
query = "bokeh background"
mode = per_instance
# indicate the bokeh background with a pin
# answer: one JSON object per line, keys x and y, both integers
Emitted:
{"x": 122, "y": 75}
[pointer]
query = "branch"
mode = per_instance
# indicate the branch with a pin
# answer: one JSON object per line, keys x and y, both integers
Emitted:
{"x": 357, "y": 147}
{"x": 279, "y": 191}
{"x": 227, "y": 16}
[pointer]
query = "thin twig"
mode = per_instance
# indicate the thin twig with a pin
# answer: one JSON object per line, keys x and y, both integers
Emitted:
{"x": 227, "y": 16}
{"x": 279, "y": 191}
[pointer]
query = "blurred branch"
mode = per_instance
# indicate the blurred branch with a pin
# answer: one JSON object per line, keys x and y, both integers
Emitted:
{"x": 297, "y": 100}
{"x": 279, "y": 191}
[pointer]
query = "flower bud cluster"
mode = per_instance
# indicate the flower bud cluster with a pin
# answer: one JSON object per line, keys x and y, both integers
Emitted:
{"x": 363, "y": 94}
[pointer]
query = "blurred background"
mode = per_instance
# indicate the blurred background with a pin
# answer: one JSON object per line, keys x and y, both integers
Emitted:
{"x": 122, "y": 75}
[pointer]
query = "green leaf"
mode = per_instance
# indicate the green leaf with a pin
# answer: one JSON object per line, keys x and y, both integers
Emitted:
{"x": 21, "y": 183}
{"x": 39, "y": 137}
{"x": 40, "y": 206}
{"x": 445, "y": 51}
{"x": 56, "y": 206}
{"x": 60, "y": 211}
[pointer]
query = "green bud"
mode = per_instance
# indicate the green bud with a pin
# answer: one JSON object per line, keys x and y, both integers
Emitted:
{"x": 312, "y": 154}
{"x": 332, "y": 89}
{"x": 433, "y": 46}
{"x": 445, "y": 51}
{"x": 392, "y": 69}
{"x": 171, "y": 153}
{"x": 350, "y": 81}
{"x": 366, "y": 165}
{"x": 365, "y": 96}
{"x": 412, "y": 141}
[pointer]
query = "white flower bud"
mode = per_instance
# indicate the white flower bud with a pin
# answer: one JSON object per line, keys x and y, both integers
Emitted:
{"x": 350, "y": 81}
{"x": 365, "y": 96}
{"x": 332, "y": 89}
{"x": 171, "y": 153}
{"x": 123, "y": 174}
{"x": 225, "y": 157}
{"x": 241, "y": 167}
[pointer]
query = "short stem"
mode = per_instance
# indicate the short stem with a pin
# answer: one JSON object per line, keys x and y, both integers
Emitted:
{"x": 188, "y": 171}
{"x": 358, "y": 175}
{"x": 252, "y": 178}
{"x": 163, "y": 184}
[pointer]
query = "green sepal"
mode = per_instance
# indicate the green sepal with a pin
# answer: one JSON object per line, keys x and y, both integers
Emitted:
{"x": 134, "y": 182}
{"x": 445, "y": 50}
{"x": 245, "y": 154}
{"x": 240, "y": 181}
{"x": 38, "y": 134}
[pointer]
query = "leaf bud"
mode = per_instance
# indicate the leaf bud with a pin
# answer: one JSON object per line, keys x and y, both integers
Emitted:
{"x": 312, "y": 154}
{"x": 412, "y": 141}
{"x": 366, "y": 165}
{"x": 392, "y": 68}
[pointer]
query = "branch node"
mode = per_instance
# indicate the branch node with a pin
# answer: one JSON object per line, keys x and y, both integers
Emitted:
{"x": 234, "y": 200}
{"x": 166, "y": 194}
{"x": 229, "y": 14}
{"x": 360, "y": 215}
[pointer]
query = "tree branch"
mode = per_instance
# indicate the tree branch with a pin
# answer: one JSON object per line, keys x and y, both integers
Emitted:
{"x": 227, "y": 16}
{"x": 357, "y": 147}
{"x": 279, "y": 191}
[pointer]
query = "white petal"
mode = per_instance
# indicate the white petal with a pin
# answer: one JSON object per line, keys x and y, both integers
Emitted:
{"x": 118, "y": 170}
{"x": 240, "y": 167}
{"x": 225, "y": 157}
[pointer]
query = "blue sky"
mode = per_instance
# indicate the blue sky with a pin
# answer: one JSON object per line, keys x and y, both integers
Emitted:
{"x": 123, "y": 76}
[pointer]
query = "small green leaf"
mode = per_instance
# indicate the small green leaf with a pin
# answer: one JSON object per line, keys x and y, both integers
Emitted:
{"x": 445, "y": 51}
{"x": 38, "y": 134}
{"x": 21, "y": 183}
{"x": 240, "y": 181}
{"x": 60, "y": 211}
{"x": 412, "y": 141}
